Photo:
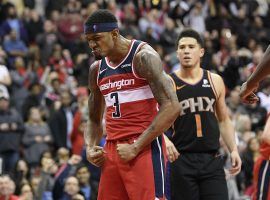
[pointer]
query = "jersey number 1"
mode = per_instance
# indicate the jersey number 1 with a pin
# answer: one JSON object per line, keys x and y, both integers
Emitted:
{"x": 116, "y": 105}
{"x": 198, "y": 125}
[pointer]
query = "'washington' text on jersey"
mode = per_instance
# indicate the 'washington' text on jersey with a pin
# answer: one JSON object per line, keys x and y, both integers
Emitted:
{"x": 117, "y": 84}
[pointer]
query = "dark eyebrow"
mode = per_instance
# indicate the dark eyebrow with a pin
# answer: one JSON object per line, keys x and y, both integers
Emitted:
{"x": 96, "y": 36}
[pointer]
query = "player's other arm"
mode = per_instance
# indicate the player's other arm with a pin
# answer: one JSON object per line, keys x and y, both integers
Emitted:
{"x": 94, "y": 130}
{"x": 225, "y": 124}
{"x": 266, "y": 133}
{"x": 149, "y": 66}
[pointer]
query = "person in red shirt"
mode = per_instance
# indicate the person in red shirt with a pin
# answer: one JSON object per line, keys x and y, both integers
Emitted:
{"x": 79, "y": 121}
{"x": 128, "y": 82}
{"x": 77, "y": 140}
{"x": 7, "y": 188}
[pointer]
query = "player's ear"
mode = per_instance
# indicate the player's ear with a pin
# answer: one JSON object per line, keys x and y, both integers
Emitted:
{"x": 115, "y": 33}
{"x": 202, "y": 52}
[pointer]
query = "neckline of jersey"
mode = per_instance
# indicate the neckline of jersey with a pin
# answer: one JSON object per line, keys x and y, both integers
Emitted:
{"x": 114, "y": 67}
{"x": 193, "y": 84}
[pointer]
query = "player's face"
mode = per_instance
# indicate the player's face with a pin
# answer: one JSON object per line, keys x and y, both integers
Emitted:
{"x": 189, "y": 52}
{"x": 100, "y": 43}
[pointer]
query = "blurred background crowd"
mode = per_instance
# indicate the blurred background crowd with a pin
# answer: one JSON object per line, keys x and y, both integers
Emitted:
{"x": 44, "y": 62}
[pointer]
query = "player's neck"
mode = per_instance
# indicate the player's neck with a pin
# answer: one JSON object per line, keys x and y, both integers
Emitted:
{"x": 120, "y": 51}
{"x": 191, "y": 75}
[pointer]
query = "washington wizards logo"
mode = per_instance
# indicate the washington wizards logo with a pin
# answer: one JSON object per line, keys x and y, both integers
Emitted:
{"x": 95, "y": 28}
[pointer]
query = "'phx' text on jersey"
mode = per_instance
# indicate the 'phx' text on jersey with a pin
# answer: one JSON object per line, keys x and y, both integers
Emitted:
{"x": 130, "y": 104}
{"x": 196, "y": 129}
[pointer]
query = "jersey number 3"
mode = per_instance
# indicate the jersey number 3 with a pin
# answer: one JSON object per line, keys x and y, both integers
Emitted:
{"x": 116, "y": 105}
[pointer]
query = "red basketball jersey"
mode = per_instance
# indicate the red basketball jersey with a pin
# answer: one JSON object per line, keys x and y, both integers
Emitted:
{"x": 265, "y": 150}
{"x": 130, "y": 104}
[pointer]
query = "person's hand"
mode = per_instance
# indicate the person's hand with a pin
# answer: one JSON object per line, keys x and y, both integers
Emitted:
{"x": 247, "y": 94}
{"x": 48, "y": 164}
{"x": 236, "y": 163}
{"x": 47, "y": 138}
{"x": 96, "y": 155}
{"x": 171, "y": 151}
{"x": 66, "y": 54}
{"x": 74, "y": 159}
{"x": 14, "y": 126}
{"x": 4, "y": 127}
{"x": 38, "y": 138}
{"x": 126, "y": 152}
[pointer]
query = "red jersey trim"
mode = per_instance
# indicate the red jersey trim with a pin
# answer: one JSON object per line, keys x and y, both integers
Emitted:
{"x": 132, "y": 66}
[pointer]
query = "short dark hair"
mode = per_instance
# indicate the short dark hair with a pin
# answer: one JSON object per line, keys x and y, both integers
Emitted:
{"x": 188, "y": 32}
{"x": 100, "y": 16}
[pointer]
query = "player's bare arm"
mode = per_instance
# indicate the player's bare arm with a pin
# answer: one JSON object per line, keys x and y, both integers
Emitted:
{"x": 149, "y": 66}
{"x": 94, "y": 131}
{"x": 225, "y": 124}
{"x": 262, "y": 70}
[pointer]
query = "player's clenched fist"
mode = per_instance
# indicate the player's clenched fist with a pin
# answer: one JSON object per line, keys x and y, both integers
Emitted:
{"x": 95, "y": 155}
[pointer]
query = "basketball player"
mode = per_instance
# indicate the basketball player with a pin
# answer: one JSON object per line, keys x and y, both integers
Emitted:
{"x": 128, "y": 81}
{"x": 261, "y": 175}
{"x": 198, "y": 172}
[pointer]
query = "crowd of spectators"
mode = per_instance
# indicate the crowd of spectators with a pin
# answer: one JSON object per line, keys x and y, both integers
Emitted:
{"x": 44, "y": 62}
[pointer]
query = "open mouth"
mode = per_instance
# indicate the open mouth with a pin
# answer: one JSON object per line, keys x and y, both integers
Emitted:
{"x": 94, "y": 51}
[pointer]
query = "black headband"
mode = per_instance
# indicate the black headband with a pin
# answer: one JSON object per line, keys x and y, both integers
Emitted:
{"x": 100, "y": 27}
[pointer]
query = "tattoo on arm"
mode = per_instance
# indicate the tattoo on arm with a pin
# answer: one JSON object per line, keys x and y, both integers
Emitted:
{"x": 150, "y": 67}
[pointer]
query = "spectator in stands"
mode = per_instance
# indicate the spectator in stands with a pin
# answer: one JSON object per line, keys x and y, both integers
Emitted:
{"x": 11, "y": 131}
{"x": 70, "y": 28}
{"x": 77, "y": 139}
{"x": 46, "y": 40}
{"x": 46, "y": 183}
{"x": 7, "y": 188}
{"x": 21, "y": 174}
{"x": 37, "y": 137}
{"x": 61, "y": 122}
{"x": 13, "y": 22}
{"x": 257, "y": 113}
{"x": 14, "y": 47}
{"x": 87, "y": 186}
{"x": 33, "y": 99}
{"x": 249, "y": 157}
{"x": 19, "y": 76}
{"x": 62, "y": 156}
{"x": 80, "y": 121}
{"x": 34, "y": 26}
{"x": 26, "y": 192}
{"x": 4, "y": 76}
{"x": 71, "y": 188}
{"x": 63, "y": 183}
